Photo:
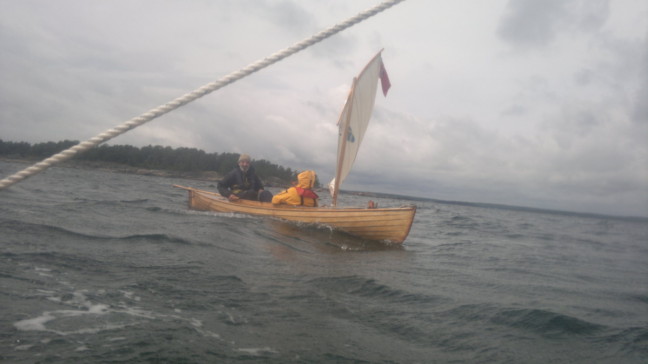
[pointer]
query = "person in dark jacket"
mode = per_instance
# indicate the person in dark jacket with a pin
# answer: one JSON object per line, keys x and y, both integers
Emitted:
{"x": 243, "y": 183}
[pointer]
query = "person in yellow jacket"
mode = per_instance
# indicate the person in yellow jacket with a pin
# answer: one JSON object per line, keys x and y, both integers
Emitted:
{"x": 301, "y": 194}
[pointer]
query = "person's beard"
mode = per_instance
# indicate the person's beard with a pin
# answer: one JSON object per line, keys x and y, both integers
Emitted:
{"x": 244, "y": 168}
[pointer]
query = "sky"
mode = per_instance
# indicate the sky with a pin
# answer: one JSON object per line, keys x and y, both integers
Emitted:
{"x": 537, "y": 103}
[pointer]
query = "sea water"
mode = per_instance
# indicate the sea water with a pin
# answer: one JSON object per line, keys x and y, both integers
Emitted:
{"x": 101, "y": 267}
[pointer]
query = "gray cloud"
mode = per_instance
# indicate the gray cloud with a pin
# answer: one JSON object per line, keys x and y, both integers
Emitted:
{"x": 640, "y": 102}
{"x": 533, "y": 22}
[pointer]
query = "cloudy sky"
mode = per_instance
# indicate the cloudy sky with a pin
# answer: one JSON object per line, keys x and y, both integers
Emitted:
{"x": 540, "y": 103}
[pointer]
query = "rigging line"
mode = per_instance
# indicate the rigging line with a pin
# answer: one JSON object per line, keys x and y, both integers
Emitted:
{"x": 191, "y": 96}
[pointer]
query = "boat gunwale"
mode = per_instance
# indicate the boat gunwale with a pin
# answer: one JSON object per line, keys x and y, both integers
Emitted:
{"x": 212, "y": 196}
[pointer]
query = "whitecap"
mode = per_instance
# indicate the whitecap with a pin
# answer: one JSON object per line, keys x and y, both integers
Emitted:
{"x": 35, "y": 324}
{"x": 23, "y": 347}
{"x": 258, "y": 351}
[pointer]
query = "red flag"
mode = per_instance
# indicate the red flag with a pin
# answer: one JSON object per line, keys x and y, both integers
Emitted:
{"x": 384, "y": 79}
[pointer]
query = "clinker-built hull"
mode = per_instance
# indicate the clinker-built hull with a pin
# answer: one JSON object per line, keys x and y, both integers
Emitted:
{"x": 384, "y": 224}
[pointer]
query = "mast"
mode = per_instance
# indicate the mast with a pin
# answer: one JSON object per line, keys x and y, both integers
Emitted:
{"x": 346, "y": 111}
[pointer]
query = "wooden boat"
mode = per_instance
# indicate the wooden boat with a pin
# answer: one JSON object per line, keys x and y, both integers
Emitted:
{"x": 387, "y": 224}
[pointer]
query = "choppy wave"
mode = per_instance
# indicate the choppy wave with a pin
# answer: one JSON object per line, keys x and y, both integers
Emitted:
{"x": 371, "y": 289}
{"x": 48, "y": 230}
{"x": 545, "y": 322}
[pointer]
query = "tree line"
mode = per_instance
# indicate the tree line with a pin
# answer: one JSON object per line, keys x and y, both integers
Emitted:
{"x": 149, "y": 157}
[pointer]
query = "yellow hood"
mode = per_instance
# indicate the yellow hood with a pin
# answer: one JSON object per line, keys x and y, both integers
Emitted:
{"x": 306, "y": 179}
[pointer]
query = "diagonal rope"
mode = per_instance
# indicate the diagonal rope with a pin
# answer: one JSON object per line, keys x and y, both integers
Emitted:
{"x": 191, "y": 96}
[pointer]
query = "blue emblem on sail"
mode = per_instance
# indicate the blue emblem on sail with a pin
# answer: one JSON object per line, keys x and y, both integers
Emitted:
{"x": 350, "y": 137}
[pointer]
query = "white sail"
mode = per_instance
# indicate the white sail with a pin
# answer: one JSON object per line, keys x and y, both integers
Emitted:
{"x": 354, "y": 119}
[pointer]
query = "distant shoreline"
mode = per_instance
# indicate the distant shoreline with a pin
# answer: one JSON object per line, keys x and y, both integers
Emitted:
{"x": 122, "y": 168}
{"x": 209, "y": 176}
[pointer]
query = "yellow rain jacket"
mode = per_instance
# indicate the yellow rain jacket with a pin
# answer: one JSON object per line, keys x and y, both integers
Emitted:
{"x": 301, "y": 194}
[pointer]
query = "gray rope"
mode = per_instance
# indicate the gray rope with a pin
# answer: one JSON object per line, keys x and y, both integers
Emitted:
{"x": 191, "y": 96}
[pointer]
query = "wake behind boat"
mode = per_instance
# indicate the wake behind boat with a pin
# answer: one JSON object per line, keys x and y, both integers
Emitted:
{"x": 388, "y": 224}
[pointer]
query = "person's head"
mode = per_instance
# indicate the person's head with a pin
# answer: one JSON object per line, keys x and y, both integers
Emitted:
{"x": 306, "y": 179}
{"x": 244, "y": 162}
